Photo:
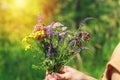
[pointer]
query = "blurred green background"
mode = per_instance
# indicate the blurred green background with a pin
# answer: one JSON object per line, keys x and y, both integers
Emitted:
{"x": 17, "y": 18}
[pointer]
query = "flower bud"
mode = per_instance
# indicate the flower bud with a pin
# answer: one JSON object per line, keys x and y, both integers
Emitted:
{"x": 85, "y": 36}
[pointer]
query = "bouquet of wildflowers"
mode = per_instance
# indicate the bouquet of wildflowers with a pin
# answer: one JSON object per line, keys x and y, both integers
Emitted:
{"x": 55, "y": 44}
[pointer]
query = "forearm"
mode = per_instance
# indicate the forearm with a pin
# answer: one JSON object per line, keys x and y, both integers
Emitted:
{"x": 89, "y": 78}
{"x": 86, "y": 77}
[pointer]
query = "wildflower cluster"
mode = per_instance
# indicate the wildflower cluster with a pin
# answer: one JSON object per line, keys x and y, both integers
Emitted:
{"x": 56, "y": 43}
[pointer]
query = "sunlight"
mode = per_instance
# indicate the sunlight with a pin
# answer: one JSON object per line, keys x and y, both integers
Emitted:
{"x": 20, "y": 3}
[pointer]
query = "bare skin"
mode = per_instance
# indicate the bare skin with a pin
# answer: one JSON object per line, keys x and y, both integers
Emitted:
{"x": 68, "y": 73}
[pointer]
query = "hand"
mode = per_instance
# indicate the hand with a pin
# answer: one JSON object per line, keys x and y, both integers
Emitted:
{"x": 50, "y": 77}
{"x": 68, "y": 73}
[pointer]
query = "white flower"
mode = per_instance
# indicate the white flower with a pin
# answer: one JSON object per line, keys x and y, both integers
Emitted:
{"x": 64, "y": 28}
{"x": 57, "y": 24}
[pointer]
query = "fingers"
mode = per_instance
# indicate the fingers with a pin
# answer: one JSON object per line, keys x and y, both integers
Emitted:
{"x": 57, "y": 76}
{"x": 46, "y": 73}
{"x": 50, "y": 77}
{"x": 64, "y": 76}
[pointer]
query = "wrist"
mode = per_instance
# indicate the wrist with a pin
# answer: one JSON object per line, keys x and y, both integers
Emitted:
{"x": 83, "y": 76}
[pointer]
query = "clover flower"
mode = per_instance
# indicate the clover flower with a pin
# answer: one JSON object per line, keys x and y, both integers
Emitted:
{"x": 39, "y": 27}
{"x": 85, "y": 36}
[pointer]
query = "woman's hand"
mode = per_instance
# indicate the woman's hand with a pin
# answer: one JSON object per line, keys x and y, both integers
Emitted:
{"x": 50, "y": 76}
{"x": 68, "y": 73}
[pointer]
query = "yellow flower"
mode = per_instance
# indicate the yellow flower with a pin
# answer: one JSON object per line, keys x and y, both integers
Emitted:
{"x": 38, "y": 33}
{"x": 28, "y": 47}
{"x": 42, "y": 32}
{"x": 31, "y": 35}
{"x": 35, "y": 35}
{"x": 25, "y": 39}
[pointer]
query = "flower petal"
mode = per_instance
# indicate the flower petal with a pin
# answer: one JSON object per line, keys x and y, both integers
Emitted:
{"x": 57, "y": 24}
{"x": 49, "y": 29}
{"x": 64, "y": 28}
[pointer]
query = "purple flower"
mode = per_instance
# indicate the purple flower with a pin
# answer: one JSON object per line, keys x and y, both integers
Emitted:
{"x": 39, "y": 19}
{"x": 75, "y": 42}
{"x": 51, "y": 51}
{"x": 80, "y": 49}
{"x": 38, "y": 27}
{"x": 49, "y": 30}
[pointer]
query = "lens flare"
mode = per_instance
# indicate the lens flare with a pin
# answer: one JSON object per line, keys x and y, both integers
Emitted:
{"x": 20, "y": 3}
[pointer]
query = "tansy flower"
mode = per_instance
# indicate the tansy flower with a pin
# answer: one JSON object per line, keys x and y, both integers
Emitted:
{"x": 42, "y": 32}
{"x": 25, "y": 39}
{"x": 38, "y": 34}
{"x": 28, "y": 47}
{"x": 31, "y": 35}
